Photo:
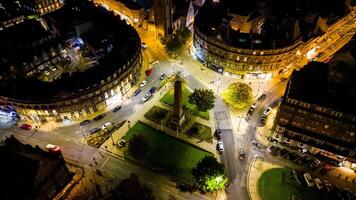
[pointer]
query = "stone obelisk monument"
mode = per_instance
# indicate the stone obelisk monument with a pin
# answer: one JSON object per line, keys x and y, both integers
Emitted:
{"x": 178, "y": 115}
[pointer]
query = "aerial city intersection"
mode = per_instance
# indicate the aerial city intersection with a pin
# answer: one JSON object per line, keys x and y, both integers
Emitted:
{"x": 178, "y": 99}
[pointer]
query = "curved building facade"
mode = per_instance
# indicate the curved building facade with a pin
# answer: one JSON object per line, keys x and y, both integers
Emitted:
{"x": 81, "y": 88}
{"x": 257, "y": 39}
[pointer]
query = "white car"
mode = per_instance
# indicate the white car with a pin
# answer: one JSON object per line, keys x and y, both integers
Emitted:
{"x": 53, "y": 68}
{"x": 147, "y": 96}
{"x": 220, "y": 147}
{"x": 143, "y": 83}
{"x": 106, "y": 125}
{"x": 267, "y": 111}
{"x": 53, "y": 148}
{"x": 46, "y": 73}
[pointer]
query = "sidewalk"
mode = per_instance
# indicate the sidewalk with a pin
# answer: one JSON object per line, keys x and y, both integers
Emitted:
{"x": 256, "y": 169}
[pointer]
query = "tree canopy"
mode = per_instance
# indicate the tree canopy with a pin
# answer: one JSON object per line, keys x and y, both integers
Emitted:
{"x": 237, "y": 95}
{"x": 131, "y": 189}
{"x": 203, "y": 99}
{"x": 209, "y": 174}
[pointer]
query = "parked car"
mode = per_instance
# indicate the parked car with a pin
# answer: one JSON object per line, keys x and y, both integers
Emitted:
{"x": 85, "y": 122}
{"x": 315, "y": 164}
{"x": 117, "y": 108}
{"x": 249, "y": 114}
{"x": 137, "y": 92}
{"x": 318, "y": 183}
{"x": 163, "y": 76}
{"x": 94, "y": 130}
{"x": 106, "y": 125}
{"x": 220, "y": 147}
{"x": 147, "y": 96}
{"x": 152, "y": 90}
{"x": 218, "y": 134}
{"x": 267, "y": 111}
{"x": 328, "y": 187}
{"x": 46, "y": 72}
{"x": 242, "y": 155}
{"x": 143, "y": 45}
{"x": 287, "y": 141}
{"x": 263, "y": 120}
{"x": 262, "y": 97}
{"x": 99, "y": 117}
{"x": 26, "y": 126}
{"x": 121, "y": 143}
{"x": 53, "y": 68}
{"x": 53, "y": 148}
{"x": 143, "y": 83}
{"x": 284, "y": 80}
{"x": 254, "y": 105}
{"x": 301, "y": 145}
{"x": 309, "y": 180}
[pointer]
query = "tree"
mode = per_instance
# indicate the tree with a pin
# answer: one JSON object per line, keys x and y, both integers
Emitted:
{"x": 209, "y": 174}
{"x": 138, "y": 146}
{"x": 131, "y": 189}
{"x": 237, "y": 95}
{"x": 174, "y": 45}
{"x": 203, "y": 99}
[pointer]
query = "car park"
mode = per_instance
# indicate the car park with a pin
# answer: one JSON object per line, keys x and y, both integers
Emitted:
{"x": 99, "y": 117}
{"x": 318, "y": 183}
{"x": 163, "y": 76}
{"x": 309, "y": 180}
{"x": 26, "y": 126}
{"x": 106, "y": 125}
{"x": 117, "y": 108}
{"x": 220, "y": 147}
{"x": 53, "y": 148}
{"x": 85, "y": 122}
{"x": 143, "y": 83}
{"x": 242, "y": 155}
{"x": 262, "y": 97}
{"x": 137, "y": 92}
{"x": 94, "y": 130}
{"x": 121, "y": 143}
{"x": 147, "y": 96}
{"x": 267, "y": 111}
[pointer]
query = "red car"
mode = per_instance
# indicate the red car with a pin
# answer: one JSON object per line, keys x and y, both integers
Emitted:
{"x": 26, "y": 126}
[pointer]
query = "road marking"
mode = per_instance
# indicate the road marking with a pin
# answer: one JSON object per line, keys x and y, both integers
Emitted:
{"x": 107, "y": 159}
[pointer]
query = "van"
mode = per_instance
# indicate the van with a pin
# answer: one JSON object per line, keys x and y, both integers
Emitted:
{"x": 309, "y": 180}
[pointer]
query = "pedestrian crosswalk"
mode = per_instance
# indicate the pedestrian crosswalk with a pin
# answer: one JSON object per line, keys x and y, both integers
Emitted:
{"x": 184, "y": 74}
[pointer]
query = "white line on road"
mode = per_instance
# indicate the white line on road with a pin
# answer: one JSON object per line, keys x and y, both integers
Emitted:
{"x": 107, "y": 159}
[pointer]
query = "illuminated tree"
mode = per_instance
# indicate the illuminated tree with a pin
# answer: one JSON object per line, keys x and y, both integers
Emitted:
{"x": 209, "y": 174}
{"x": 237, "y": 95}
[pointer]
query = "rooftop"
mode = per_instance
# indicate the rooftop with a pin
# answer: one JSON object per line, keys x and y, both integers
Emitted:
{"x": 63, "y": 23}
{"x": 288, "y": 21}
{"x": 331, "y": 85}
{"x": 24, "y": 168}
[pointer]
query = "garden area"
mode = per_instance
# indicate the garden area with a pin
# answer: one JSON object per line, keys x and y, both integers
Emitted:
{"x": 156, "y": 114}
{"x": 163, "y": 152}
{"x": 169, "y": 99}
{"x": 277, "y": 183}
{"x": 200, "y": 132}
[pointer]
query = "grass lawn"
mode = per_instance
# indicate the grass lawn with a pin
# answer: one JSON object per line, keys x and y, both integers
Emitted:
{"x": 169, "y": 99}
{"x": 168, "y": 153}
{"x": 201, "y": 132}
{"x": 276, "y": 184}
{"x": 156, "y": 114}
